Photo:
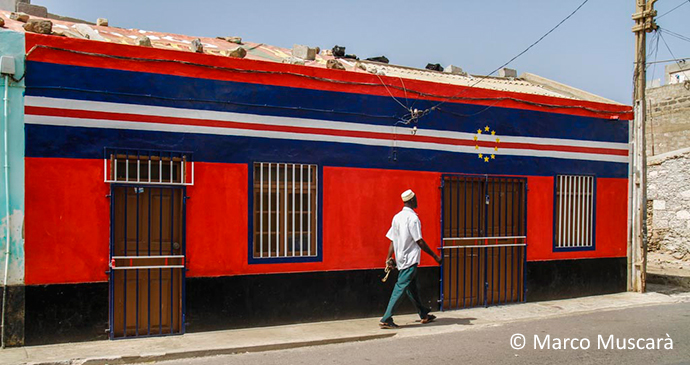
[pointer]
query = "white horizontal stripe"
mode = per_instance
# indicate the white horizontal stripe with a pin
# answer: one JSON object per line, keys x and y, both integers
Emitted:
{"x": 300, "y": 122}
{"x": 180, "y": 128}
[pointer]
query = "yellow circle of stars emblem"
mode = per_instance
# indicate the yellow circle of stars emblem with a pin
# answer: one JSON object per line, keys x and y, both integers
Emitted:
{"x": 486, "y": 131}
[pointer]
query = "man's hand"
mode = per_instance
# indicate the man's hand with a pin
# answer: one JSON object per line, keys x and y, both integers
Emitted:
{"x": 390, "y": 263}
{"x": 438, "y": 259}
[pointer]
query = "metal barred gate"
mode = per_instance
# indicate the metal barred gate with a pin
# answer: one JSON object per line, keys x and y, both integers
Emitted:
{"x": 147, "y": 260}
{"x": 484, "y": 240}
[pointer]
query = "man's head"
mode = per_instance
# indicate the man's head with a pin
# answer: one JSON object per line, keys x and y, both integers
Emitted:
{"x": 409, "y": 199}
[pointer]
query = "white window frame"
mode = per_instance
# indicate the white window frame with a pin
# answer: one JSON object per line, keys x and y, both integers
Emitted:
{"x": 141, "y": 165}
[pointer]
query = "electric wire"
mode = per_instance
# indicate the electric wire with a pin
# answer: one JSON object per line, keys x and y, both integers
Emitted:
{"x": 671, "y": 60}
{"x": 519, "y": 54}
{"x": 681, "y": 4}
{"x": 674, "y": 56}
{"x": 655, "y": 40}
{"x": 674, "y": 34}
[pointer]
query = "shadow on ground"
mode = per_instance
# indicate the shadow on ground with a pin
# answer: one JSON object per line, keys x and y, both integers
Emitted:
{"x": 441, "y": 321}
{"x": 667, "y": 288}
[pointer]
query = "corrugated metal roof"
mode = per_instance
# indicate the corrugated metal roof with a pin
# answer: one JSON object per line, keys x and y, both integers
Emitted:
{"x": 264, "y": 52}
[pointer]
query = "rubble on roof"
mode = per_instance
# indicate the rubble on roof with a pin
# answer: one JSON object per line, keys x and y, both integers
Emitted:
{"x": 197, "y": 46}
{"x": 238, "y": 52}
{"x": 236, "y": 40}
{"x": 40, "y": 26}
{"x": 304, "y": 52}
{"x": 434, "y": 67}
{"x": 22, "y": 17}
{"x": 144, "y": 41}
{"x": 334, "y": 65}
{"x": 335, "y": 58}
{"x": 382, "y": 59}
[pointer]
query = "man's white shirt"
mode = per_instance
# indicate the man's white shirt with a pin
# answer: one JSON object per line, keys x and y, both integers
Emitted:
{"x": 406, "y": 230}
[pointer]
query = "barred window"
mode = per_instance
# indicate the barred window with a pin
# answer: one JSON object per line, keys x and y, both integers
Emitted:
{"x": 148, "y": 167}
{"x": 574, "y": 211}
{"x": 285, "y": 210}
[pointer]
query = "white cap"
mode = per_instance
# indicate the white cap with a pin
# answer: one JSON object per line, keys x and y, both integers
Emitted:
{"x": 407, "y": 195}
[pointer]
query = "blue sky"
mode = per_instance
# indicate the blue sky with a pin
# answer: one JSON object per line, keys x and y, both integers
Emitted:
{"x": 592, "y": 51}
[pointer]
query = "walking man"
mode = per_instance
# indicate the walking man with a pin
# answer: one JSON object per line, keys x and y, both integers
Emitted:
{"x": 406, "y": 239}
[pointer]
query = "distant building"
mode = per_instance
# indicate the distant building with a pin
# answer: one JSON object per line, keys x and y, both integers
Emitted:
{"x": 668, "y": 152}
{"x": 161, "y": 183}
{"x": 677, "y": 73}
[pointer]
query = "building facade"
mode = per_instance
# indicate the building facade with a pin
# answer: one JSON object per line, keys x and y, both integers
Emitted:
{"x": 167, "y": 191}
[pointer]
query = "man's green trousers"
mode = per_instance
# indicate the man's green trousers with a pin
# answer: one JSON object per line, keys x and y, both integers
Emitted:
{"x": 406, "y": 284}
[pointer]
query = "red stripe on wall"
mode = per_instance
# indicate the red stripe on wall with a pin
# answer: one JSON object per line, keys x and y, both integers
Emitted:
{"x": 68, "y": 220}
{"x": 88, "y": 114}
{"x": 154, "y": 61}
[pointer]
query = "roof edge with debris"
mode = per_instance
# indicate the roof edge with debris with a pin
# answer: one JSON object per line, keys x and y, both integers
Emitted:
{"x": 558, "y": 87}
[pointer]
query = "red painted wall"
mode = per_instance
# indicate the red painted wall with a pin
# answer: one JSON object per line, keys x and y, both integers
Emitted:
{"x": 611, "y": 223}
{"x": 67, "y": 222}
{"x": 359, "y": 205}
{"x": 357, "y": 210}
{"x": 217, "y": 219}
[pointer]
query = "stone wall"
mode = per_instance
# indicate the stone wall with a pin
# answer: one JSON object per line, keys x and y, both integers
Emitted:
{"x": 669, "y": 193}
{"x": 668, "y": 118}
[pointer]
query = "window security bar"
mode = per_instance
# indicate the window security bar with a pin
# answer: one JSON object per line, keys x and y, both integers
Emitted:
{"x": 285, "y": 210}
{"x": 147, "y": 257}
{"x": 481, "y": 246}
{"x": 148, "y": 167}
{"x": 575, "y": 211}
{"x": 482, "y": 238}
{"x": 148, "y": 267}
{"x": 131, "y": 260}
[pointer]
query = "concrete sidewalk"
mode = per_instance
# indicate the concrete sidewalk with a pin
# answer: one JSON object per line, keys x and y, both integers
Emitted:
{"x": 310, "y": 334}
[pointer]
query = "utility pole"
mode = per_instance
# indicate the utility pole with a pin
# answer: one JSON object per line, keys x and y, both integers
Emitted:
{"x": 637, "y": 238}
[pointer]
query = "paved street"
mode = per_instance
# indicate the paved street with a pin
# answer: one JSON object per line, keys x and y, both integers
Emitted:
{"x": 491, "y": 344}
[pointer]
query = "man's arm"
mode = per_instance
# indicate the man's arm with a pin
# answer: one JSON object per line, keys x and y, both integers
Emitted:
{"x": 428, "y": 250}
{"x": 391, "y": 249}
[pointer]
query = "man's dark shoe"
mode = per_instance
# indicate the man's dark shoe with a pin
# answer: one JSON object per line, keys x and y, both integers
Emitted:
{"x": 388, "y": 325}
{"x": 429, "y": 318}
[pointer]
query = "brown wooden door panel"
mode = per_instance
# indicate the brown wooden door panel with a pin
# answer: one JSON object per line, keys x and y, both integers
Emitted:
{"x": 485, "y": 208}
{"x": 147, "y": 221}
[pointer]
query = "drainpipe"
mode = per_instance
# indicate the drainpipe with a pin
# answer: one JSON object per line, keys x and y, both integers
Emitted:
{"x": 7, "y": 204}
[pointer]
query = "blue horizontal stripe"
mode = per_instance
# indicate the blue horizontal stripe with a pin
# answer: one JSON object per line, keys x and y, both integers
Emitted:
{"x": 97, "y": 84}
{"x": 89, "y": 143}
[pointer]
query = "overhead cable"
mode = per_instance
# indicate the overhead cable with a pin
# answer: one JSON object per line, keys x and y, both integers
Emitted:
{"x": 681, "y": 4}
{"x": 519, "y": 54}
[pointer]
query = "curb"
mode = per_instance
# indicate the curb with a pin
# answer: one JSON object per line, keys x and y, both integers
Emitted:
{"x": 209, "y": 352}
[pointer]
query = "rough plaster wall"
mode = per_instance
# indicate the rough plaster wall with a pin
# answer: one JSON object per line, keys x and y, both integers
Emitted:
{"x": 12, "y": 44}
{"x": 669, "y": 192}
{"x": 668, "y": 118}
